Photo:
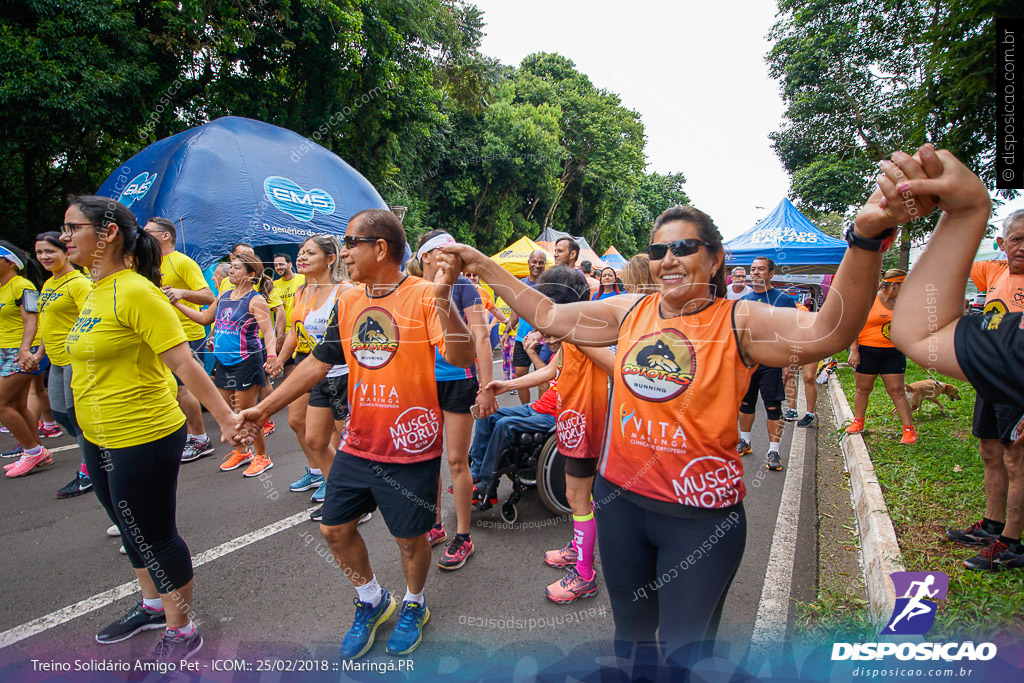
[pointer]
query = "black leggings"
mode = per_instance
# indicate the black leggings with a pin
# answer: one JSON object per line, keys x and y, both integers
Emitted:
{"x": 666, "y": 573}
{"x": 137, "y": 486}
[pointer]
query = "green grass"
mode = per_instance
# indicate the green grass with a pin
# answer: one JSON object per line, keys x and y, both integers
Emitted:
{"x": 928, "y": 487}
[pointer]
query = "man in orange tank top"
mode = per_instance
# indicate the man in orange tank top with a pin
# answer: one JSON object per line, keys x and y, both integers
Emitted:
{"x": 389, "y": 458}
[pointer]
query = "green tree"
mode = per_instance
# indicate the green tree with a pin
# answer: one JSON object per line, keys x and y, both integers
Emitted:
{"x": 862, "y": 79}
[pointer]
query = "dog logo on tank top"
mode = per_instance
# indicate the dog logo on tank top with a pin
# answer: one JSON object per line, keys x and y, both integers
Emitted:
{"x": 375, "y": 341}
{"x": 660, "y": 366}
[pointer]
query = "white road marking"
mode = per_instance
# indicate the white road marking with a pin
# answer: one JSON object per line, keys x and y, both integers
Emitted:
{"x": 773, "y": 609}
{"x": 58, "y": 449}
{"x": 66, "y": 614}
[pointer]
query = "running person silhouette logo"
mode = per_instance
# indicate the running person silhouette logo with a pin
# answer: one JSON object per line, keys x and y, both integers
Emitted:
{"x": 914, "y": 613}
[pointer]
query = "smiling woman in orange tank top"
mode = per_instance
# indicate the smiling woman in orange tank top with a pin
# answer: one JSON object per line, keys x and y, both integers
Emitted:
{"x": 669, "y": 477}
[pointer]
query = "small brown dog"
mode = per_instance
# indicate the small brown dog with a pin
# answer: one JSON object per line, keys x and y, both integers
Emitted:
{"x": 929, "y": 390}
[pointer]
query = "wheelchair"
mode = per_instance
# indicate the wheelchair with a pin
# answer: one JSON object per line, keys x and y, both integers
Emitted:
{"x": 531, "y": 461}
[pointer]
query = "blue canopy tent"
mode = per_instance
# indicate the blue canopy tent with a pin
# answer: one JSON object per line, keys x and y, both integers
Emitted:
{"x": 239, "y": 180}
{"x": 793, "y": 242}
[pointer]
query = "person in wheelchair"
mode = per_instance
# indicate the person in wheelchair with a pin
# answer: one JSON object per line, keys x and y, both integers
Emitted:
{"x": 494, "y": 434}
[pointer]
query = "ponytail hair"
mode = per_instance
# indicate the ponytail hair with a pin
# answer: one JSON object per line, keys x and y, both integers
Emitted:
{"x": 261, "y": 282}
{"x": 331, "y": 246}
{"x": 135, "y": 242}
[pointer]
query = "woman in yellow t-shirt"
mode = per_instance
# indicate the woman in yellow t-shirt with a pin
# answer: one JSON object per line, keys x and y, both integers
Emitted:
{"x": 18, "y": 334}
{"x": 123, "y": 347}
{"x": 60, "y": 300}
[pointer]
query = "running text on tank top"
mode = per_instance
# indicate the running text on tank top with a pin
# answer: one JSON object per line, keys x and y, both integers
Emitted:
{"x": 234, "y": 330}
{"x": 311, "y": 325}
{"x": 677, "y": 388}
{"x": 582, "y": 404}
{"x": 876, "y": 329}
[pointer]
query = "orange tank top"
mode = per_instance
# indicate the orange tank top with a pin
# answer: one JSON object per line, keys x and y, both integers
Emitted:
{"x": 1004, "y": 293}
{"x": 675, "y": 401}
{"x": 582, "y": 404}
{"x": 876, "y": 329}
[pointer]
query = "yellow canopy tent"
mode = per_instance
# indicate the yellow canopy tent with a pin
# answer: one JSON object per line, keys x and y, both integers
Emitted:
{"x": 513, "y": 258}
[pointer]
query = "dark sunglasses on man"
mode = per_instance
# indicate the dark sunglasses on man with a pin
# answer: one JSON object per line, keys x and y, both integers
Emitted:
{"x": 351, "y": 241}
{"x": 657, "y": 251}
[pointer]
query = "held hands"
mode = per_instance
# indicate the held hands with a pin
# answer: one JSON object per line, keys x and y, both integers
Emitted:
{"x": 937, "y": 176}
{"x": 462, "y": 258}
{"x": 274, "y": 366}
{"x": 909, "y": 187}
{"x": 497, "y": 387}
{"x": 248, "y": 422}
{"x": 27, "y": 361}
{"x": 486, "y": 404}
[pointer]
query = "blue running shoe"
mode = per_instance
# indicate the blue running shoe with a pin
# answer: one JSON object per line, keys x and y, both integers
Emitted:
{"x": 409, "y": 632}
{"x": 359, "y": 638}
{"x": 307, "y": 482}
{"x": 318, "y": 495}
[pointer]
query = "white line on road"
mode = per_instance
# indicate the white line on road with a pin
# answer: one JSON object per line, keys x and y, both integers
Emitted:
{"x": 66, "y": 614}
{"x": 58, "y": 449}
{"x": 773, "y": 609}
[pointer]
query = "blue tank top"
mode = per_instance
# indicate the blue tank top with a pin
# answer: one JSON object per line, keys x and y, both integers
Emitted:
{"x": 234, "y": 330}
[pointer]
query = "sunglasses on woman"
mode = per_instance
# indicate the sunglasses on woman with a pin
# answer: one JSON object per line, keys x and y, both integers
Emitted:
{"x": 657, "y": 251}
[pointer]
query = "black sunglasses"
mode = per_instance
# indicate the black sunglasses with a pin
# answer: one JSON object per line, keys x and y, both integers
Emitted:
{"x": 656, "y": 252}
{"x": 351, "y": 240}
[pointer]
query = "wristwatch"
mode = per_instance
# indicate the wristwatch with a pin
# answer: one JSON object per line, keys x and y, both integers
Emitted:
{"x": 878, "y": 244}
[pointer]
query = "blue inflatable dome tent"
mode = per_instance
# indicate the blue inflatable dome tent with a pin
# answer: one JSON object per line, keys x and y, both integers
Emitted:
{"x": 239, "y": 180}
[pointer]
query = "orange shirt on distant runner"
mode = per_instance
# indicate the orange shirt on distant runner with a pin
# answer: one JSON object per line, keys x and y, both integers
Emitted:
{"x": 582, "y": 405}
{"x": 1004, "y": 293}
{"x": 876, "y": 330}
{"x": 677, "y": 390}
{"x": 388, "y": 342}
{"x": 486, "y": 299}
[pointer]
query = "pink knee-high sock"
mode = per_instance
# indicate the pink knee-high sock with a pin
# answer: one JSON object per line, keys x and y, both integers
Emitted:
{"x": 584, "y": 538}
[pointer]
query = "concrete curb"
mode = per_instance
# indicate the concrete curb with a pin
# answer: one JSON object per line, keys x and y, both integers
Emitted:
{"x": 880, "y": 552}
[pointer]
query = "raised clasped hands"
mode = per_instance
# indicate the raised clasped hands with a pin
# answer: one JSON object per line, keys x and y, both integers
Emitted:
{"x": 909, "y": 188}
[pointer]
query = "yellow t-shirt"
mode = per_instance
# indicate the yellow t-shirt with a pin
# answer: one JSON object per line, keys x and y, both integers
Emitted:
{"x": 122, "y": 389}
{"x": 12, "y": 298}
{"x": 59, "y": 303}
{"x": 181, "y": 272}
{"x": 286, "y": 291}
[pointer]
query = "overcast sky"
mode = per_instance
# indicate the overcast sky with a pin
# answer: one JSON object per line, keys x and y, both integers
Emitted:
{"x": 695, "y": 72}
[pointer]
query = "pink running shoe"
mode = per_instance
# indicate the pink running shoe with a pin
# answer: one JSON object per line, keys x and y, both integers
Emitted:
{"x": 571, "y": 588}
{"x": 27, "y": 463}
{"x": 436, "y": 535}
{"x": 562, "y": 558}
{"x": 50, "y": 432}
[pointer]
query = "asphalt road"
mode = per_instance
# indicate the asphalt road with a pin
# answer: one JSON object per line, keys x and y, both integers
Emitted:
{"x": 282, "y": 597}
